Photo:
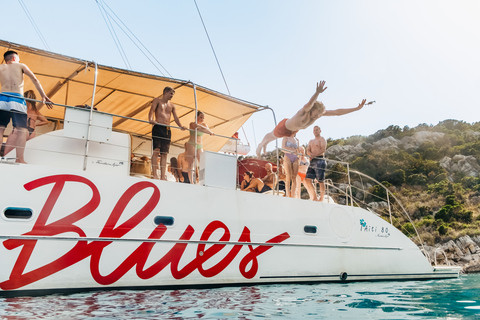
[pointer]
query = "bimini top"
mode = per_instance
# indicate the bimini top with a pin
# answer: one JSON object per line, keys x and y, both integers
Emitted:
{"x": 70, "y": 81}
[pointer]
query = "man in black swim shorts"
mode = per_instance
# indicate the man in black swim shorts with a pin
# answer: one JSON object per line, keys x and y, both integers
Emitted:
{"x": 159, "y": 115}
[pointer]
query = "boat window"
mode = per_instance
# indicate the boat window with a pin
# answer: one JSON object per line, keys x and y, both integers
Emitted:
{"x": 167, "y": 221}
{"x": 18, "y": 213}
{"x": 310, "y": 229}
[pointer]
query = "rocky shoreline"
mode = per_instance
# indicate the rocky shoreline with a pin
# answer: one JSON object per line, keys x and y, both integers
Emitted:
{"x": 464, "y": 252}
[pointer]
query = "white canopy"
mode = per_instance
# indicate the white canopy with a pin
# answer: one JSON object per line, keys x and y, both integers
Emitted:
{"x": 128, "y": 94}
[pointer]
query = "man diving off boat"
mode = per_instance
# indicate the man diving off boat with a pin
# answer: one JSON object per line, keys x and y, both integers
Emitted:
{"x": 304, "y": 118}
{"x": 12, "y": 104}
{"x": 159, "y": 115}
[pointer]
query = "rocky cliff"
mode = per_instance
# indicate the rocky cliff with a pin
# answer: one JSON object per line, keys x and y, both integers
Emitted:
{"x": 464, "y": 252}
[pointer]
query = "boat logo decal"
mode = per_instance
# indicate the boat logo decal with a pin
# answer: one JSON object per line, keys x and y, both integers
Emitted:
{"x": 24, "y": 273}
{"x": 380, "y": 232}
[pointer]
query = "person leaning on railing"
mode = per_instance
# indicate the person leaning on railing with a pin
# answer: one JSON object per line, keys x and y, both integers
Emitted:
{"x": 194, "y": 145}
{"x": 12, "y": 103}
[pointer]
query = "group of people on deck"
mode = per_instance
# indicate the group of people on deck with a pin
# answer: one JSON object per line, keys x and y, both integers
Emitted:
{"x": 25, "y": 116}
{"x": 161, "y": 111}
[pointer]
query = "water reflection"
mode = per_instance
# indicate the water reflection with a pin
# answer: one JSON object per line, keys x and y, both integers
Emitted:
{"x": 453, "y": 299}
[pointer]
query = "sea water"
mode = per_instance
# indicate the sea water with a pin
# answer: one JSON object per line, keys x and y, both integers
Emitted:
{"x": 435, "y": 299}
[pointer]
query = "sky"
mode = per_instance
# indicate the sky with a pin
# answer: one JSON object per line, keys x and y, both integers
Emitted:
{"x": 418, "y": 59}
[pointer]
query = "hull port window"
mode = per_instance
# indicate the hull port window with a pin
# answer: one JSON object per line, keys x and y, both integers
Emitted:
{"x": 18, "y": 213}
{"x": 310, "y": 229}
{"x": 166, "y": 221}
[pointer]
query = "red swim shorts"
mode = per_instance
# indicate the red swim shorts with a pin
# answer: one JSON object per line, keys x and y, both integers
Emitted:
{"x": 281, "y": 131}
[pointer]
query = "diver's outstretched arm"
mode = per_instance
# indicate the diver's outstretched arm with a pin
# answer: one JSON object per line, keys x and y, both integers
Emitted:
{"x": 341, "y": 112}
{"x": 320, "y": 88}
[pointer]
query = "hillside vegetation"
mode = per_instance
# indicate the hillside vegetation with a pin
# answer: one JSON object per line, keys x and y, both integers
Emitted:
{"x": 432, "y": 170}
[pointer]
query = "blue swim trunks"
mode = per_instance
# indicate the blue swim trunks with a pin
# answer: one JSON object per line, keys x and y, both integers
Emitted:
{"x": 17, "y": 102}
{"x": 14, "y": 108}
{"x": 316, "y": 169}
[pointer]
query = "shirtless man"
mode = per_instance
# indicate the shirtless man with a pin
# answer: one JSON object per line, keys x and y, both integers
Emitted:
{"x": 316, "y": 170}
{"x": 159, "y": 115}
{"x": 15, "y": 108}
{"x": 270, "y": 179}
{"x": 303, "y": 118}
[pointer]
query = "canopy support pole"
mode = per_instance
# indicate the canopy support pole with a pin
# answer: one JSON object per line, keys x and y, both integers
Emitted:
{"x": 90, "y": 118}
{"x": 195, "y": 161}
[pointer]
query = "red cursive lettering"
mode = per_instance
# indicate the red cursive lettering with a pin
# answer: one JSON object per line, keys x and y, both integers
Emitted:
{"x": 138, "y": 258}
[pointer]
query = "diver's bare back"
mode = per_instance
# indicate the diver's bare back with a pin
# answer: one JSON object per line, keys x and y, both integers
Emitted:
{"x": 302, "y": 120}
{"x": 11, "y": 77}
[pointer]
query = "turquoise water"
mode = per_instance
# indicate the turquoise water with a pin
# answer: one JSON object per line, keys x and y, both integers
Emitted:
{"x": 440, "y": 299}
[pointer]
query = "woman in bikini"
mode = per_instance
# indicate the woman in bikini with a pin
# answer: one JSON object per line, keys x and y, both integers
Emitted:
{"x": 194, "y": 146}
{"x": 252, "y": 184}
{"x": 290, "y": 160}
{"x": 302, "y": 171}
{"x": 35, "y": 119}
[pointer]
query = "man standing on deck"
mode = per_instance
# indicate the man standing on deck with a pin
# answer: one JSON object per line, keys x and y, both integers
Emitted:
{"x": 316, "y": 170}
{"x": 159, "y": 115}
{"x": 12, "y": 105}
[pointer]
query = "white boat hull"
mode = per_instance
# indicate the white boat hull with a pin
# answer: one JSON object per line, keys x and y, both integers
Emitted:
{"x": 90, "y": 230}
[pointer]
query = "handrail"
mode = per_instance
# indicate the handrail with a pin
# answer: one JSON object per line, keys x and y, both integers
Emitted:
{"x": 89, "y": 129}
{"x": 111, "y": 114}
{"x": 352, "y": 201}
{"x": 444, "y": 254}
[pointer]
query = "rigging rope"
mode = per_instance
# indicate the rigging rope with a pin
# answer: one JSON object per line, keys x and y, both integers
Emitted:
{"x": 113, "y": 34}
{"x": 211, "y": 45}
{"x": 32, "y": 21}
{"x": 138, "y": 42}
{"x": 246, "y": 138}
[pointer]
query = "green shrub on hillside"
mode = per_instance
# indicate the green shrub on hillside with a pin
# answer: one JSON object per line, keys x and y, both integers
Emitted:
{"x": 417, "y": 179}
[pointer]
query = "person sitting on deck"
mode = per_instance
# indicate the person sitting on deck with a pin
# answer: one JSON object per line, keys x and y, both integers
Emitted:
{"x": 252, "y": 184}
{"x": 305, "y": 117}
{"x": 174, "y": 169}
{"x": 270, "y": 179}
{"x": 183, "y": 166}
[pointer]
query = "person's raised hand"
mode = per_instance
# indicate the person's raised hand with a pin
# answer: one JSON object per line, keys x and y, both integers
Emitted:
{"x": 321, "y": 87}
{"x": 360, "y": 105}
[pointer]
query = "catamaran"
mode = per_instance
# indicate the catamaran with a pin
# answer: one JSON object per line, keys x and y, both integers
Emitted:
{"x": 78, "y": 217}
